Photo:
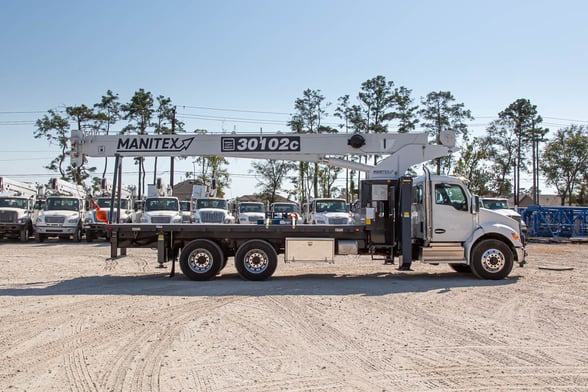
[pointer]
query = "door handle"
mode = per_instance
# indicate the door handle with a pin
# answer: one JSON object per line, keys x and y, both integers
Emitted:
{"x": 439, "y": 231}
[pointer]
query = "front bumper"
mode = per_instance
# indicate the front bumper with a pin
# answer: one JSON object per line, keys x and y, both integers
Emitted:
{"x": 57, "y": 229}
{"x": 10, "y": 228}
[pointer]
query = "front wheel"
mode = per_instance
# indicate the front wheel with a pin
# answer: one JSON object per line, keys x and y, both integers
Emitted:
{"x": 25, "y": 234}
{"x": 201, "y": 260}
{"x": 256, "y": 260}
{"x": 77, "y": 235}
{"x": 491, "y": 259}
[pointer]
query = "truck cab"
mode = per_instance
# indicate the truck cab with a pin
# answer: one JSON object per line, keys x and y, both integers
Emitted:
{"x": 63, "y": 217}
{"x": 250, "y": 212}
{"x": 17, "y": 201}
{"x": 285, "y": 212}
{"x": 16, "y": 217}
{"x": 161, "y": 210}
{"x": 123, "y": 215}
{"x": 449, "y": 227}
{"x": 328, "y": 211}
{"x": 211, "y": 210}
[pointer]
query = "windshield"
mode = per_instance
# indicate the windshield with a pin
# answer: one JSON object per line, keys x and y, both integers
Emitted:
{"x": 285, "y": 208}
{"x": 62, "y": 203}
{"x": 331, "y": 206}
{"x": 107, "y": 202}
{"x": 162, "y": 204}
{"x": 10, "y": 202}
{"x": 185, "y": 205}
{"x": 495, "y": 204}
{"x": 251, "y": 207}
{"x": 211, "y": 203}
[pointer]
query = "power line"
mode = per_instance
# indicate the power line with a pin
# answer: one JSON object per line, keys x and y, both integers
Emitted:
{"x": 234, "y": 110}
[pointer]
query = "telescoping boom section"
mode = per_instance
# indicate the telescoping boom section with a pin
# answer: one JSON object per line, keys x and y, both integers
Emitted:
{"x": 391, "y": 224}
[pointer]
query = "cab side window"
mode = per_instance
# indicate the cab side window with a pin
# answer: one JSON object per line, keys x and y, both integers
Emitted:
{"x": 451, "y": 195}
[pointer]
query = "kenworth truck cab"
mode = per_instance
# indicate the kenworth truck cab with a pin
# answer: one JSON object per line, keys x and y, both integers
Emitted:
{"x": 430, "y": 219}
{"x": 17, "y": 200}
{"x": 63, "y": 212}
{"x": 448, "y": 226}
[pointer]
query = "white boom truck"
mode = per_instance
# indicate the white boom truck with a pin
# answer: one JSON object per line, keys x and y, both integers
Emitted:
{"x": 17, "y": 200}
{"x": 403, "y": 219}
{"x": 63, "y": 213}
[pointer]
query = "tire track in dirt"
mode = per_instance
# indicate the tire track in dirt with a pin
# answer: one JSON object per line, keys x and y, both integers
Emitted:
{"x": 136, "y": 365}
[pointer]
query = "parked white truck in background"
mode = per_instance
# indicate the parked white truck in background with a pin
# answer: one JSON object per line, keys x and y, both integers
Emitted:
{"x": 122, "y": 212}
{"x": 327, "y": 211}
{"x": 501, "y": 206}
{"x": 17, "y": 200}
{"x": 211, "y": 210}
{"x": 285, "y": 213}
{"x": 63, "y": 212}
{"x": 250, "y": 212}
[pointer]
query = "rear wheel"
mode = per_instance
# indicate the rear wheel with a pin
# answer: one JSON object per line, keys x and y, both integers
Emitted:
{"x": 201, "y": 260}
{"x": 256, "y": 260}
{"x": 491, "y": 259}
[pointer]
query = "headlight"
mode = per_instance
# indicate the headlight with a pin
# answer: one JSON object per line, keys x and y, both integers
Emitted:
{"x": 73, "y": 219}
{"x": 176, "y": 219}
{"x": 40, "y": 219}
{"x": 144, "y": 219}
{"x": 22, "y": 220}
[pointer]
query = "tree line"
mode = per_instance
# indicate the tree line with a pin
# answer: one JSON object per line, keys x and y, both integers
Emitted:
{"x": 512, "y": 146}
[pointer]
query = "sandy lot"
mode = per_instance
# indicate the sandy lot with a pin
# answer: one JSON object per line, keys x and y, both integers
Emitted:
{"x": 73, "y": 320}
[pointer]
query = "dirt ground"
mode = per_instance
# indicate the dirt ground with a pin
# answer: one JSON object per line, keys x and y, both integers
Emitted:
{"x": 73, "y": 320}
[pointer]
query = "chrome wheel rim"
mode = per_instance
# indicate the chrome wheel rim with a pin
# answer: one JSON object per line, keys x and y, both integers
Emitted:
{"x": 200, "y": 260}
{"x": 493, "y": 260}
{"x": 256, "y": 261}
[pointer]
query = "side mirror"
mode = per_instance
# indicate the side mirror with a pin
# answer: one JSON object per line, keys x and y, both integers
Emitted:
{"x": 475, "y": 204}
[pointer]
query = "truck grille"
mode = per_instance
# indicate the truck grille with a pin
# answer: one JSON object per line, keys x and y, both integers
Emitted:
{"x": 54, "y": 219}
{"x": 8, "y": 216}
{"x": 212, "y": 217}
{"x": 160, "y": 219}
{"x": 338, "y": 221}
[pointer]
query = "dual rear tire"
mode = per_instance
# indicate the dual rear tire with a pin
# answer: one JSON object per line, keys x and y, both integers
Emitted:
{"x": 203, "y": 259}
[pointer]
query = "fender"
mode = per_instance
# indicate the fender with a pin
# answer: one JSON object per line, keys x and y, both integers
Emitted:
{"x": 497, "y": 231}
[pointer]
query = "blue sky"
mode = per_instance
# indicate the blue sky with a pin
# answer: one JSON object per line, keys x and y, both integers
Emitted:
{"x": 240, "y": 65}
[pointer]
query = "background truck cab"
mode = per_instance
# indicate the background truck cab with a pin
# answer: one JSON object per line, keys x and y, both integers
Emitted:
{"x": 211, "y": 210}
{"x": 284, "y": 212}
{"x": 250, "y": 212}
{"x": 328, "y": 211}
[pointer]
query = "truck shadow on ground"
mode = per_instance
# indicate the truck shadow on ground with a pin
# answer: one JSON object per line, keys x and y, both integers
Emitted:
{"x": 231, "y": 284}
